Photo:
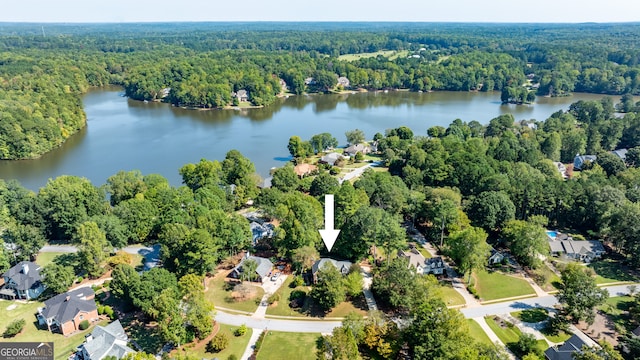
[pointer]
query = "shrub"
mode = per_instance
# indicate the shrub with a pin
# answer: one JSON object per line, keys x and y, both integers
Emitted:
{"x": 273, "y": 298}
{"x": 297, "y": 295}
{"x": 14, "y": 328}
{"x": 297, "y": 281}
{"x": 232, "y": 357}
{"x": 241, "y": 330}
{"x": 108, "y": 310}
{"x": 334, "y": 171}
{"x": 218, "y": 343}
{"x": 84, "y": 325}
{"x": 100, "y": 309}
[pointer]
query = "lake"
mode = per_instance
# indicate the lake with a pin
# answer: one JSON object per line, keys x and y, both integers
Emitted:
{"x": 123, "y": 134}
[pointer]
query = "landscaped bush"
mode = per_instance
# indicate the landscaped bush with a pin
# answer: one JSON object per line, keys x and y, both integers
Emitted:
{"x": 241, "y": 330}
{"x": 14, "y": 328}
{"x": 100, "y": 309}
{"x": 232, "y": 357}
{"x": 108, "y": 310}
{"x": 297, "y": 281}
{"x": 84, "y": 325}
{"x": 273, "y": 298}
{"x": 218, "y": 343}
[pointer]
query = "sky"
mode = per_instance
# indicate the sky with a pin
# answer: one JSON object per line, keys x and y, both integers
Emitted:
{"x": 320, "y": 10}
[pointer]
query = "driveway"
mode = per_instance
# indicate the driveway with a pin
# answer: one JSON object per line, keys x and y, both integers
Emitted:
{"x": 358, "y": 171}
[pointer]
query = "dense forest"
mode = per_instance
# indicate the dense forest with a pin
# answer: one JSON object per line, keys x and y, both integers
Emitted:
{"x": 44, "y": 70}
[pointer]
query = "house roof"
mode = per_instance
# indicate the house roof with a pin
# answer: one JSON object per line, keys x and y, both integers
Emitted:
{"x": 342, "y": 266}
{"x": 25, "y": 274}
{"x": 331, "y": 158}
{"x": 304, "y": 169}
{"x": 242, "y": 93}
{"x": 582, "y": 247}
{"x": 66, "y": 306}
{"x": 110, "y": 340}
{"x": 566, "y": 350}
{"x": 264, "y": 265}
{"x": 435, "y": 262}
{"x": 415, "y": 257}
{"x": 356, "y": 148}
{"x": 621, "y": 153}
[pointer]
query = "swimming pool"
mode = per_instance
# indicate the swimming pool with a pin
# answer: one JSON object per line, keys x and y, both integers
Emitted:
{"x": 552, "y": 234}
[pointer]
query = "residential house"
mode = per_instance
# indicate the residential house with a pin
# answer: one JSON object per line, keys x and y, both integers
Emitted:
{"x": 561, "y": 169}
{"x": 344, "y": 82}
{"x": 309, "y": 81}
{"x": 262, "y": 270}
{"x": 110, "y": 340}
{"x": 565, "y": 351}
{"x": 415, "y": 258}
{"x": 583, "y": 250}
{"x": 165, "y": 92}
{"x": 266, "y": 183}
{"x": 495, "y": 257}
{"x": 65, "y": 312}
{"x": 283, "y": 85}
{"x": 331, "y": 158}
{"x": 434, "y": 266}
{"x": 303, "y": 170}
{"x": 241, "y": 95}
{"x": 580, "y": 160}
{"x": 342, "y": 266}
{"x": 23, "y": 281}
{"x": 621, "y": 153}
{"x": 359, "y": 148}
{"x": 261, "y": 231}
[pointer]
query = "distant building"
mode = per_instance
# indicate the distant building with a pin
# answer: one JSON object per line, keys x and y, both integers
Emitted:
{"x": 261, "y": 231}
{"x": 331, "y": 158}
{"x": 110, "y": 340}
{"x": 241, "y": 95}
{"x": 621, "y": 153}
{"x": 580, "y": 160}
{"x": 359, "y": 148}
{"x": 495, "y": 257}
{"x": 421, "y": 264}
{"x": 561, "y": 169}
{"x": 23, "y": 281}
{"x": 565, "y": 351}
{"x": 65, "y": 312}
{"x": 344, "y": 82}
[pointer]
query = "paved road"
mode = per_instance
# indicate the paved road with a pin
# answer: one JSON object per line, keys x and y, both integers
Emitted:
{"x": 323, "y": 326}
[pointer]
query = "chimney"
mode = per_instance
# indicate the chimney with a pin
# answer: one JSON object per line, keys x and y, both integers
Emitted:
{"x": 67, "y": 298}
{"x": 25, "y": 268}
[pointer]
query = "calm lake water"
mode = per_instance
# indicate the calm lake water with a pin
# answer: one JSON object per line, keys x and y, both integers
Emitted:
{"x": 123, "y": 134}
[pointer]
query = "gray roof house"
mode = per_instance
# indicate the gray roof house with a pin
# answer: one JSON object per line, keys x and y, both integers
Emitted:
{"x": 579, "y": 160}
{"x": 65, "y": 312}
{"x": 566, "y": 350}
{"x": 331, "y": 158}
{"x": 621, "y": 153}
{"x": 495, "y": 257}
{"x": 242, "y": 95}
{"x": 359, "y": 148}
{"x": 421, "y": 264}
{"x": 434, "y": 266}
{"x": 22, "y": 281}
{"x": 110, "y": 340}
{"x": 261, "y": 231}
{"x": 262, "y": 271}
{"x": 342, "y": 266}
{"x": 585, "y": 251}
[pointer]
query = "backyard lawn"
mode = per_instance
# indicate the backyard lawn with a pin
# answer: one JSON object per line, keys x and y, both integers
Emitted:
{"x": 217, "y": 293}
{"x": 237, "y": 345}
{"x": 495, "y": 285}
{"x": 477, "y": 333}
{"x": 617, "y": 308}
{"x": 63, "y": 345}
{"x": 451, "y": 297}
{"x": 286, "y": 345}
{"x": 609, "y": 271}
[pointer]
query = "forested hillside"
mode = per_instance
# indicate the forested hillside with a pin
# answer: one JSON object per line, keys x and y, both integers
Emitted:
{"x": 44, "y": 73}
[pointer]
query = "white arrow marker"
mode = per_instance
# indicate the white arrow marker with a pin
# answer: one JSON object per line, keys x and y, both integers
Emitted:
{"x": 329, "y": 235}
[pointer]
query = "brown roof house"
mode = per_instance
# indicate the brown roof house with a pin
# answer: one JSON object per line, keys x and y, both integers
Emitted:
{"x": 22, "y": 281}
{"x": 65, "y": 312}
{"x": 303, "y": 170}
{"x": 359, "y": 148}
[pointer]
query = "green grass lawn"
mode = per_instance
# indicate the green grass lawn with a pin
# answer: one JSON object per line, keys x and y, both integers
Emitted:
{"x": 477, "y": 333}
{"x": 63, "y": 345}
{"x": 237, "y": 345}
{"x": 495, "y": 285}
{"x": 451, "y": 297}
{"x": 546, "y": 278}
{"x": 560, "y": 337}
{"x": 354, "y": 57}
{"x": 509, "y": 335}
{"x": 44, "y": 258}
{"x": 531, "y": 315}
{"x": 609, "y": 271}
{"x": 286, "y": 345}
{"x": 616, "y": 308}
{"x": 219, "y": 296}
{"x": 281, "y": 308}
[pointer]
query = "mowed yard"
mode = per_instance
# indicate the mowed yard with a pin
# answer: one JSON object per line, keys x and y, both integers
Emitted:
{"x": 285, "y": 345}
{"x": 63, "y": 345}
{"x": 220, "y": 294}
{"x": 237, "y": 344}
{"x": 496, "y": 285}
